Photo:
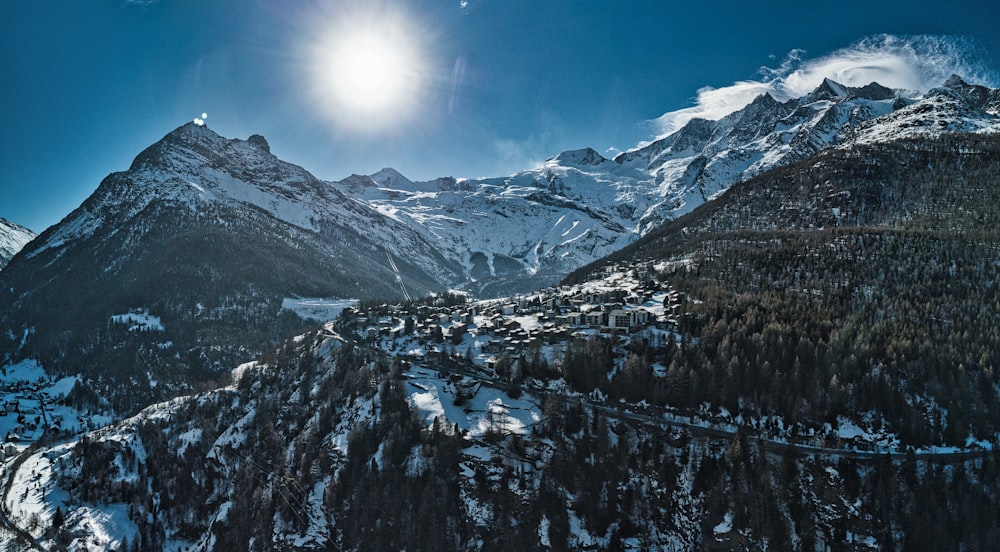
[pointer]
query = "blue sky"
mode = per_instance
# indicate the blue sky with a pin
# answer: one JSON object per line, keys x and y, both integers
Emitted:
{"x": 491, "y": 86}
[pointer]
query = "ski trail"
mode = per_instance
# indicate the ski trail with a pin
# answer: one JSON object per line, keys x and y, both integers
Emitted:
{"x": 399, "y": 278}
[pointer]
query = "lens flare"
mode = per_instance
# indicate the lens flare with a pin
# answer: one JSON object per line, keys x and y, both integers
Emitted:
{"x": 368, "y": 70}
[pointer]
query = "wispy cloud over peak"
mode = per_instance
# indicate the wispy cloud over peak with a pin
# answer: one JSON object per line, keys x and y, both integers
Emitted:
{"x": 916, "y": 63}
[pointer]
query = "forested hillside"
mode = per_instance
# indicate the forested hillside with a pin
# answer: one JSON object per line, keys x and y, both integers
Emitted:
{"x": 863, "y": 283}
{"x": 321, "y": 448}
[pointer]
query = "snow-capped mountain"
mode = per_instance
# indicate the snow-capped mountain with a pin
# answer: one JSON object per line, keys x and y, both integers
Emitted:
{"x": 207, "y": 232}
{"x": 789, "y": 417}
{"x": 196, "y": 168}
{"x": 517, "y": 232}
{"x": 957, "y": 106}
{"x": 525, "y": 230}
{"x": 13, "y": 238}
{"x": 206, "y": 236}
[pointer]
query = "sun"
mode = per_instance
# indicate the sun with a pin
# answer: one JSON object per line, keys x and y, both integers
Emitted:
{"x": 370, "y": 74}
{"x": 368, "y": 71}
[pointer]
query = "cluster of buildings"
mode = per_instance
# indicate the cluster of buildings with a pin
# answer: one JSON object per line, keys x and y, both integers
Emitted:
{"x": 513, "y": 327}
{"x": 16, "y": 398}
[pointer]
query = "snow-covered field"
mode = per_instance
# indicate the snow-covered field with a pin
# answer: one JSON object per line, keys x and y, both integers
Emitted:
{"x": 316, "y": 308}
{"x": 24, "y": 388}
{"x": 29, "y": 399}
{"x": 484, "y": 410}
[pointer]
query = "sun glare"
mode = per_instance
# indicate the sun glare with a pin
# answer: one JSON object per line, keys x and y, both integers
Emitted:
{"x": 368, "y": 71}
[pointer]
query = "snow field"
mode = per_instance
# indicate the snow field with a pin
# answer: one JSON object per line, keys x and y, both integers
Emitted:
{"x": 317, "y": 308}
{"x": 488, "y": 409}
{"x": 22, "y": 384}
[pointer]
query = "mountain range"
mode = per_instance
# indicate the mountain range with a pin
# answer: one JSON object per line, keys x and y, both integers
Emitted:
{"x": 807, "y": 295}
{"x": 823, "y": 377}
{"x": 212, "y": 235}
{"x": 582, "y": 206}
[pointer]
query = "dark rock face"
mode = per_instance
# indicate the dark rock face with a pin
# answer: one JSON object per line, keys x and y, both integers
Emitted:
{"x": 259, "y": 142}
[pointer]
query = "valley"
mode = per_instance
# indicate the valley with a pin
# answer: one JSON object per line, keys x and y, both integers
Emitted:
{"x": 777, "y": 330}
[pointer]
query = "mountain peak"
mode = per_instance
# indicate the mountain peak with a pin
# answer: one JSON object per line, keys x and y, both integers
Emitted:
{"x": 974, "y": 96}
{"x": 190, "y": 130}
{"x": 763, "y": 101}
{"x": 955, "y": 81}
{"x": 193, "y": 145}
{"x": 189, "y": 136}
{"x": 874, "y": 91}
{"x": 391, "y": 178}
{"x": 586, "y": 157}
{"x": 359, "y": 181}
{"x": 830, "y": 89}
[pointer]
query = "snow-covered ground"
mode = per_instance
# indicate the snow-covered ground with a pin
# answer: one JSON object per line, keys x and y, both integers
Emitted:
{"x": 35, "y": 496}
{"x": 484, "y": 409}
{"x": 13, "y": 238}
{"x": 317, "y": 308}
{"x": 24, "y": 388}
{"x": 29, "y": 399}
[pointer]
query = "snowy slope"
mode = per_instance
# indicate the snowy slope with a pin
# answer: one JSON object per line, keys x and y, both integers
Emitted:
{"x": 957, "y": 106}
{"x": 209, "y": 236}
{"x": 528, "y": 228}
{"x": 13, "y": 237}
{"x": 198, "y": 168}
{"x": 535, "y": 225}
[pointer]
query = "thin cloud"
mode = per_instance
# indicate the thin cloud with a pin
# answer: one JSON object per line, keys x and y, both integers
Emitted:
{"x": 916, "y": 63}
{"x": 457, "y": 80}
{"x": 525, "y": 150}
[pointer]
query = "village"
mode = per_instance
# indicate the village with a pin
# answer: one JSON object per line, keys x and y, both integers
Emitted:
{"x": 22, "y": 409}
{"x": 29, "y": 406}
{"x": 498, "y": 335}
{"x": 500, "y": 342}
